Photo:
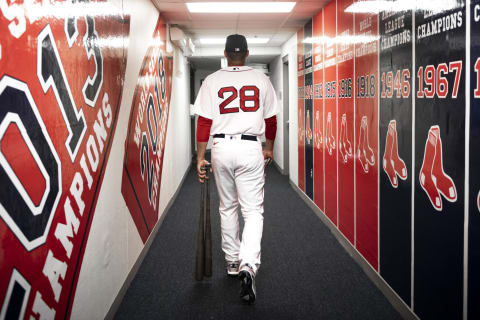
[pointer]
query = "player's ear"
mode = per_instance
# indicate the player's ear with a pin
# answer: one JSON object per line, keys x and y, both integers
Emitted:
{"x": 246, "y": 54}
{"x": 225, "y": 53}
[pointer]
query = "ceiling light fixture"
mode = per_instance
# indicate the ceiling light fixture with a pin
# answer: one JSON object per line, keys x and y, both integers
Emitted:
{"x": 341, "y": 39}
{"x": 377, "y": 6}
{"x": 240, "y": 7}
{"x": 222, "y": 40}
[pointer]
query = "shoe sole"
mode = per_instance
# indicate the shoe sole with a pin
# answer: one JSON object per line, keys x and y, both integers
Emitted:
{"x": 247, "y": 292}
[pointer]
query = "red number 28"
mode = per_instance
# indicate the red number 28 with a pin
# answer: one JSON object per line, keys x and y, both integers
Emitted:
{"x": 245, "y": 95}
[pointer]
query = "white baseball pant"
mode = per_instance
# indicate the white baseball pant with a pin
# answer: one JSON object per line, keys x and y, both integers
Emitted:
{"x": 238, "y": 167}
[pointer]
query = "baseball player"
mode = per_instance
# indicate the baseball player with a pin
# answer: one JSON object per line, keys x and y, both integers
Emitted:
{"x": 237, "y": 105}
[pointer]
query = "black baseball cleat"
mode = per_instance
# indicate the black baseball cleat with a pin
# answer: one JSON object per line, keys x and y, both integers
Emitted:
{"x": 247, "y": 292}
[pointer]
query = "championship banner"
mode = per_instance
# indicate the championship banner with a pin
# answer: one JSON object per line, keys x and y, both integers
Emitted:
{"x": 474, "y": 181}
{"x": 366, "y": 135}
{"x": 147, "y": 129}
{"x": 395, "y": 151}
{"x": 301, "y": 110}
{"x": 317, "y": 116}
{"x": 439, "y": 161}
{"x": 330, "y": 114}
{"x": 62, "y": 68}
{"x": 346, "y": 113}
{"x": 308, "y": 102}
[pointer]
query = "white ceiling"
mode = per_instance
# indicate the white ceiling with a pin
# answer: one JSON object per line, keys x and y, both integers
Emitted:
{"x": 278, "y": 27}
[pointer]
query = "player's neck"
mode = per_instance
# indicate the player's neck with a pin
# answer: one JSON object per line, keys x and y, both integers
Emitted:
{"x": 236, "y": 63}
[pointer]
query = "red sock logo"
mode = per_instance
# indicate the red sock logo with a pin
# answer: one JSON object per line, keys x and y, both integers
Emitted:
{"x": 344, "y": 146}
{"x": 330, "y": 139}
{"x": 317, "y": 138}
{"x": 433, "y": 179}
{"x": 309, "y": 133}
{"x": 365, "y": 154}
{"x": 301, "y": 133}
{"x": 393, "y": 165}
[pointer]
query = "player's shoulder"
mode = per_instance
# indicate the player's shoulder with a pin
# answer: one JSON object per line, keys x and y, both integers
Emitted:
{"x": 262, "y": 77}
{"x": 257, "y": 72}
{"x": 210, "y": 77}
{"x": 214, "y": 77}
{"x": 259, "y": 75}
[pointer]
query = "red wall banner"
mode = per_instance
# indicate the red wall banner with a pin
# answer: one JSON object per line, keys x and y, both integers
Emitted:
{"x": 330, "y": 114}
{"x": 346, "y": 114}
{"x": 61, "y": 81}
{"x": 366, "y": 128}
{"x": 147, "y": 129}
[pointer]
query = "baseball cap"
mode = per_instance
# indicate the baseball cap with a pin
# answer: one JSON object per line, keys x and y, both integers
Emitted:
{"x": 236, "y": 43}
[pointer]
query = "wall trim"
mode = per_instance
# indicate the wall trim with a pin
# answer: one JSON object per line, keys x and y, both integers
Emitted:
{"x": 278, "y": 168}
{"x": 136, "y": 266}
{"x": 379, "y": 282}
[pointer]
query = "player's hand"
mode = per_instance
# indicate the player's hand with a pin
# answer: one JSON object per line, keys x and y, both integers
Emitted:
{"x": 268, "y": 156}
{"x": 201, "y": 172}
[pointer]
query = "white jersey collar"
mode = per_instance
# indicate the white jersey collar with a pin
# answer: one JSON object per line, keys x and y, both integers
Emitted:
{"x": 237, "y": 68}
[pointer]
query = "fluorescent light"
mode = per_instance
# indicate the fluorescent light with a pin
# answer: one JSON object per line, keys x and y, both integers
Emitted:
{"x": 373, "y": 6}
{"x": 257, "y": 40}
{"x": 376, "y": 6}
{"x": 36, "y": 11}
{"x": 240, "y": 7}
{"x": 222, "y": 40}
{"x": 341, "y": 39}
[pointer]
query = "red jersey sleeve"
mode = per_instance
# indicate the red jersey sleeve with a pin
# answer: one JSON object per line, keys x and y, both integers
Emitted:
{"x": 271, "y": 128}
{"x": 203, "y": 129}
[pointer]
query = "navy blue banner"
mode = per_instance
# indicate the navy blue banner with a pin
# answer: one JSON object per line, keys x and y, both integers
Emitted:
{"x": 439, "y": 161}
{"x": 396, "y": 150}
{"x": 308, "y": 110}
{"x": 474, "y": 202}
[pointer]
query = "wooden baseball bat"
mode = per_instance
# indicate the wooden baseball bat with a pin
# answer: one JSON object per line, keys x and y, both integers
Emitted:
{"x": 203, "y": 262}
{"x": 208, "y": 231}
{"x": 200, "y": 251}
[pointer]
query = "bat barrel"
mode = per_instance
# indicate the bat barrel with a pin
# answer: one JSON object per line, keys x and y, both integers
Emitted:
{"x": 200, "y": 250}
{"x": 208, "y": 233}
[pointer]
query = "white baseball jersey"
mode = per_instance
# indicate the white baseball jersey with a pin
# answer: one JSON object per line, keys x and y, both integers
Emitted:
{"x": 237, "y": 100}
